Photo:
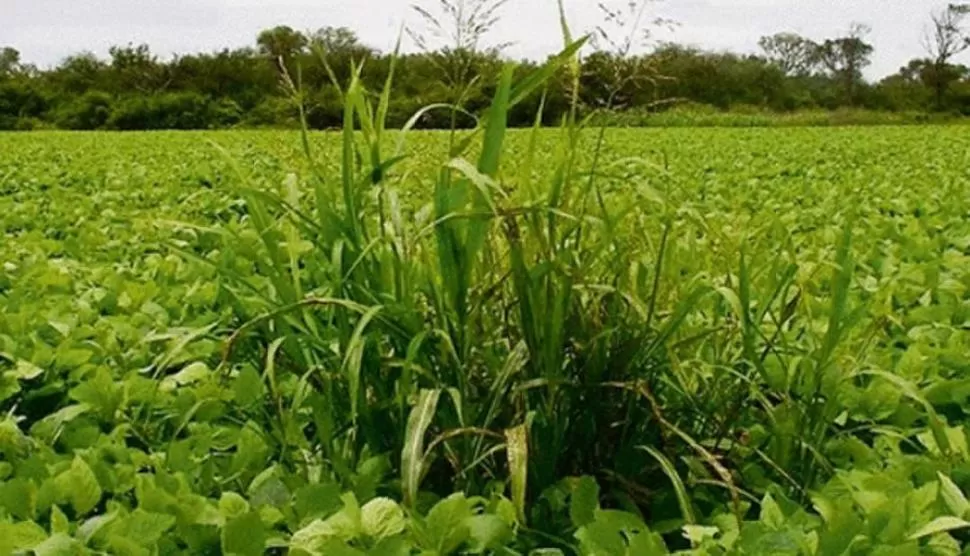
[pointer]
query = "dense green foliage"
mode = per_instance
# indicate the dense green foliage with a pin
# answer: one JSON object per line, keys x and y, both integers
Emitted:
{"x": 134, "y": 89}
{"x": 709, "y": 341}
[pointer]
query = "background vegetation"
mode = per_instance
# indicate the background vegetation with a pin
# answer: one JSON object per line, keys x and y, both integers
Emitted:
{"x": 135, "y": 89}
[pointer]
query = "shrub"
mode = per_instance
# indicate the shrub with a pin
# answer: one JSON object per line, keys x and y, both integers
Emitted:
{"x": 225, "y": 113}
{"x": 20, "y": 99}
{"x": 273, "y": 112}
{"x": 163, "y": 111}
{"x": 89, "y": 111}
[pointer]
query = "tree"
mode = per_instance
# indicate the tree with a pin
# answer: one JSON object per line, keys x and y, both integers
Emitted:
{"x": 341, "y": 47}
{"x": 946, "y": 39}
{"x": 337, "y": 39}
{"x": 79, "y": 74}
{"x": 282, "y": 44}
{"x": 232, "y": 75}
{"x": 845, "y": 58}
{"x": 336, "y": 54}
{"x": 792, "y": 53}
{"x": 9, "y": 60}
{"x": 136, "y": 68}
{"x": 935, "y": 77}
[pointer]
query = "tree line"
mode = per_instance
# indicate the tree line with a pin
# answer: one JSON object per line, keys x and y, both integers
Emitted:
{"x": 265, "y": 84}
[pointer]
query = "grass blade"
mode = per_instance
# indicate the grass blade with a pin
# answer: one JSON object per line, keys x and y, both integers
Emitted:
{"x": 412, "y": 456}
{"x": 683, "y": 498}
{"x": 517, "y": 450}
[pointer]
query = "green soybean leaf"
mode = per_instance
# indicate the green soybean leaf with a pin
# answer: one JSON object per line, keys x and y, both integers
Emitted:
{"x": 953, "y": 497}
{"x": 940, "y": 525}
{"x": 486, "y": 533}
{"x": 584, "y": 501}
{"x": 382, "y": 518}
{"x": 248, "y": 387}
{"x": 244, "y": 535}
{"x": 79, "y": 487}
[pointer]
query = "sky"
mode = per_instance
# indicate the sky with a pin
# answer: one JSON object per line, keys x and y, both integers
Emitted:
{"x": 46, "y": 31}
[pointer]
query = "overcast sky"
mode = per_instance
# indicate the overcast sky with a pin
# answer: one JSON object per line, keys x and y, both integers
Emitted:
{"x": 46, "y": 31}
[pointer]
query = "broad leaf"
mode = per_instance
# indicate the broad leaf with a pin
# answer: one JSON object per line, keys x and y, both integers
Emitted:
{"x": 244, "y": 535}
{"x": 79, "y": 486}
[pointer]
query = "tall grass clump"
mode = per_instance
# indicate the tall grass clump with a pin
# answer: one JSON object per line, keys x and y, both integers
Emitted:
{"x": 514, "y": 327}
{"x": 498, "y": 317}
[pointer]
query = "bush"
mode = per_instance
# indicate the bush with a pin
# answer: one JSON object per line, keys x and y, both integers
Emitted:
{"x": 89, "y": 111}
{"x": 225, "y": 113}
{"x": 20, "y": 99}
{"x": 164, "y": 111}
{"x": 272, "y": 112}
{"x": 695, "y": 115}
{"x": 959, "y": 98}
{"x": 325, "y": 109}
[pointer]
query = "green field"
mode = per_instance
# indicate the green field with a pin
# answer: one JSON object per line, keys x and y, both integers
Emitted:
{"x": 720, "y": 341}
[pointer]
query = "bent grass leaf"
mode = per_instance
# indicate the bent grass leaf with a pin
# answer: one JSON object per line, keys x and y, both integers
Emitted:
{"x": 354, "y": 356}
{"x": 517, "y": 451}
{"x": 413, "y": 453}
{"x": 680, "y": 490}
